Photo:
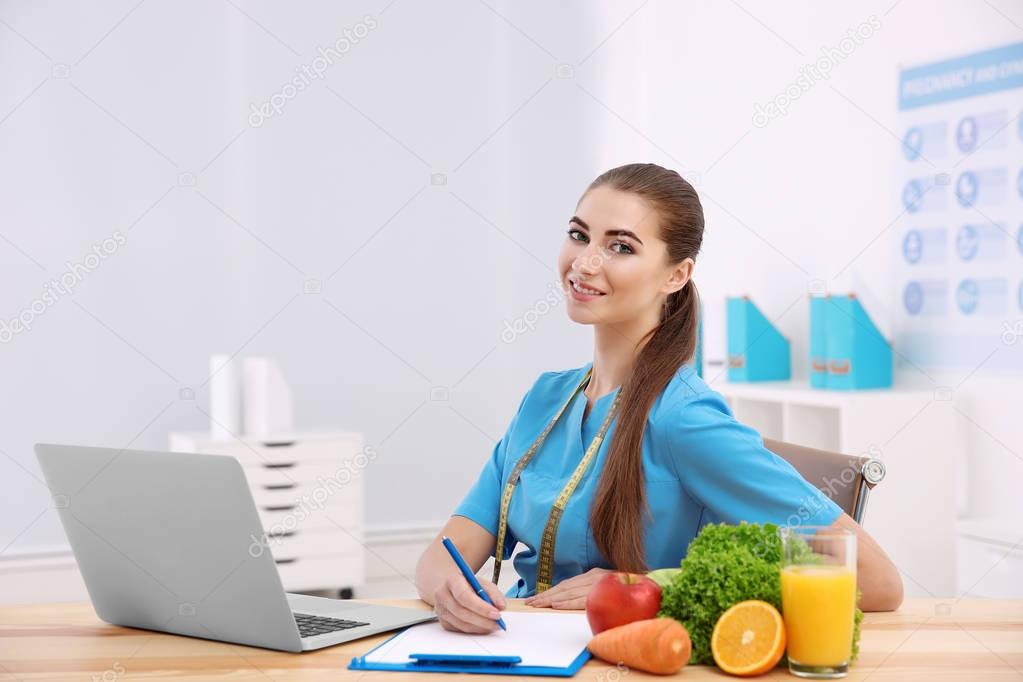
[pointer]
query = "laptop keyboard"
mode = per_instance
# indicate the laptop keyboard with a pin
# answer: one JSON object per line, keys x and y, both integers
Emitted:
{"x": 311, "y": 626}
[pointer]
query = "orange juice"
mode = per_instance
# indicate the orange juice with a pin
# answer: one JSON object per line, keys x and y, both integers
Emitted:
{"x": 818, "y": 605}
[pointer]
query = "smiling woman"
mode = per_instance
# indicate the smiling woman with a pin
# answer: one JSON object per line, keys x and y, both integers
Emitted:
{"x": 618, "y": 464}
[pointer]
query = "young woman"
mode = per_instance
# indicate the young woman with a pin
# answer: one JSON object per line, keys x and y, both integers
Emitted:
{"x": 585, "y": 498}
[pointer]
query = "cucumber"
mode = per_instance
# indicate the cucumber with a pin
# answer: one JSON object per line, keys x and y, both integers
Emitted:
{"x": 664, "y": 576}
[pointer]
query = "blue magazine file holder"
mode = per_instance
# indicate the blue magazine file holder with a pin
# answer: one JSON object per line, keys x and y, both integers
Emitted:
{"x": 756, "y": 349}
{"x": 858, "y": 356}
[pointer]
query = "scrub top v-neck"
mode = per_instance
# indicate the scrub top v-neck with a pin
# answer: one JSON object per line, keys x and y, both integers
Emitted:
{"x": 700, "y": 466}
{"x": 590, "y": 423}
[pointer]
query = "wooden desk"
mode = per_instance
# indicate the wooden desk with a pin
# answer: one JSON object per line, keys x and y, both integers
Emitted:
{"x": 928, "y": 639}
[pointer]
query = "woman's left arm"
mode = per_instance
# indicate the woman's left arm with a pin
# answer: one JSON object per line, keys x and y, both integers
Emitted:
{"x": 570, "y": 593}
{"x": 876, "y": 576}
{"x": 724, "y": 465}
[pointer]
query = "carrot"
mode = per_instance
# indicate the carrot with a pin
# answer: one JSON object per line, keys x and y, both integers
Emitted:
{"x": 655, "y": 645}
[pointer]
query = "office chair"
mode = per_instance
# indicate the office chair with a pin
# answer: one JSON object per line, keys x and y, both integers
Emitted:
{"x": 846, "y": 479}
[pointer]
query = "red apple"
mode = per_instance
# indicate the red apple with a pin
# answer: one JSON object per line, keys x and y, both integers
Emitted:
{"x": 620, "y": 598}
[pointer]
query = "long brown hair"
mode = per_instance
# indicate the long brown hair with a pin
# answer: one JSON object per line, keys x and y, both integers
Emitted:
{"x": 620, "y": 507}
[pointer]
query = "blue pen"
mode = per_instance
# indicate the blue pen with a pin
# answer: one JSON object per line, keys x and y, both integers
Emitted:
{"x": 467, "y": 572}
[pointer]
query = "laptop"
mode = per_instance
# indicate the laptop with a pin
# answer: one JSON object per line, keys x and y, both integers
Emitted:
{"x": 172, "y": 542}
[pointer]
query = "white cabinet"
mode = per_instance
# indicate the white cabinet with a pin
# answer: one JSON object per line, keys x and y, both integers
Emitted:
{"x": 990, "y": 559}
{"x": 308, "y": 490}
{"x": 916, "y": 433}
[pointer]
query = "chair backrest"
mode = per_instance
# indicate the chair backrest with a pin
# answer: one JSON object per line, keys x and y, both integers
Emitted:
{"x": 846, "y": 479}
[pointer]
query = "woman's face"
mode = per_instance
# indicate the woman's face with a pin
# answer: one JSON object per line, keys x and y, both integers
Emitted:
{"x": 613, "y": 264}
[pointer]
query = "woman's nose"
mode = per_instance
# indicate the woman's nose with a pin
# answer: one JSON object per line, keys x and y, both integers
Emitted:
{"x": 581, "y": 267}
{"x": 588, "y": 262}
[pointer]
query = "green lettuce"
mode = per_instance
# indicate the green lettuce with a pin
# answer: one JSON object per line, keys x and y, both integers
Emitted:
{"x": 724, "y": 566}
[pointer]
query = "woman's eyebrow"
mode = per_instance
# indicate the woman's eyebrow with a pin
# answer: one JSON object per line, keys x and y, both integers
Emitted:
{"x": 621, "y": 233}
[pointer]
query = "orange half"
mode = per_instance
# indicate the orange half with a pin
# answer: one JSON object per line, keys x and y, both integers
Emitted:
{"x": 748, "y": 639}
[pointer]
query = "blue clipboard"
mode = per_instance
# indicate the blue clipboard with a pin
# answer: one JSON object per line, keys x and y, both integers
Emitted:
{"x": 456, "y": 663}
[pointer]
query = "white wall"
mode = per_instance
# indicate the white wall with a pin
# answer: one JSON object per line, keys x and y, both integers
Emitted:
{"x": 418, "y": 279}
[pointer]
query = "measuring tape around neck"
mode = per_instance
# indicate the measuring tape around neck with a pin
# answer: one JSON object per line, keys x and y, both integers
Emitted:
{"x": 545, "y": 562}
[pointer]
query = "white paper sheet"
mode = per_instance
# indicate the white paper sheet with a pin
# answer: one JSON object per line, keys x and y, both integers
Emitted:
{"x": 544, "y": 639}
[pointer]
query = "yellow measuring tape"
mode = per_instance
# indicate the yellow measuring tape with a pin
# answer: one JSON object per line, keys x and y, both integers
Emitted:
{"x": 545, "y": 563}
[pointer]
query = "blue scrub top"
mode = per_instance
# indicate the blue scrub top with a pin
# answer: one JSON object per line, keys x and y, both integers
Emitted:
{"x": 700, "y": 466}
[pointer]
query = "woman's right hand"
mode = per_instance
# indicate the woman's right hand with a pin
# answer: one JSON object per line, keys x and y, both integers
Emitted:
{"x": 459, "y": 608}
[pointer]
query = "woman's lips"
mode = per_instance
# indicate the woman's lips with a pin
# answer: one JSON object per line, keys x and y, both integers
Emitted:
{"x": 581, "y": 296}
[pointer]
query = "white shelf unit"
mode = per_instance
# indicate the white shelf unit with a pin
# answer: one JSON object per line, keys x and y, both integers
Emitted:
{"x": 918, "y": 436}
{"x": 308, "y": 490}
{"x": 990, "y": 559}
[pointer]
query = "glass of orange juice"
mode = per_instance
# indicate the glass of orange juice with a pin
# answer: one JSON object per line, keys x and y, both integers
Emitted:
{"x": 818, "y": 599}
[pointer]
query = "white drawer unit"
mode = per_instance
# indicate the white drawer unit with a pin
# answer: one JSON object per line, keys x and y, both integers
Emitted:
{"x": 990, "y": 558}
{"x": 308, "y": 490}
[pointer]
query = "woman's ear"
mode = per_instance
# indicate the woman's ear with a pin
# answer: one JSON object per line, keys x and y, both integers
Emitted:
{"x": 680, "y": 275}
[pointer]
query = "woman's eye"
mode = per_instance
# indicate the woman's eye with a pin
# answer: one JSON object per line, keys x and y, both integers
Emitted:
{"x": 617, "y": 247}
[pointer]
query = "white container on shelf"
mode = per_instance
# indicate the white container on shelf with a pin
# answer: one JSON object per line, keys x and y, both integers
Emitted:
{"x": 225, "y": 397}
{"x": 267, "y": 398}
{"x": 308, "y": 490}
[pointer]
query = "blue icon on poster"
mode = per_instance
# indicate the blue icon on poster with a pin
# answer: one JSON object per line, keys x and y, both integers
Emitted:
{"x": 966, "y": 134}
{"x": 966, "y": 189}
{"x": 912, "y": 246}
{"x": 912, "y": 144}
{"x": 913, "y": 298}
{"x": 967, "y": 242}
{"x": 912, "y": 195}
{"x": 967, "y": 295}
